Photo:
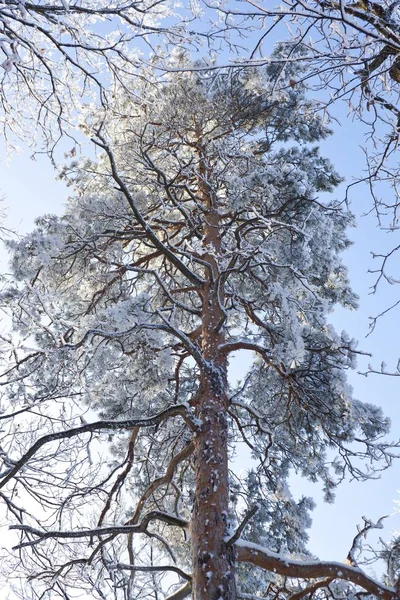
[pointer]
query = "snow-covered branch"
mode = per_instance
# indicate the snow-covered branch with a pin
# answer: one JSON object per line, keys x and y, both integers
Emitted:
{"x": 99, "y": 531}
{"x": 150, "y": 569}
{"x": 173, "y": 411}
{"x": 263, "y": 558}
{"x": 181, "y": 593}
{"x": 101, "y": 142}
{"x": 165, "y": 479}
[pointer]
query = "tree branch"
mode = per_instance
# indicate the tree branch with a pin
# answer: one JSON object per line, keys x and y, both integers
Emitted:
{"x": 165, "y": 479}
{"x": 249, "y": 515}
{"x": 150, "y": 569}
{"x": 101, "y": 143}
{"x": 311, "y": 589}
{"x": 154, "y": 515}
{"x": 282, "y": 565}
{"x": 173, "y": 411}
{"x": 182, "y": 593}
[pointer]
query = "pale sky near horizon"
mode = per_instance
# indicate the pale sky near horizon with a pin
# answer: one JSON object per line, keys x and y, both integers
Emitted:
{"x": 29, "y": 189}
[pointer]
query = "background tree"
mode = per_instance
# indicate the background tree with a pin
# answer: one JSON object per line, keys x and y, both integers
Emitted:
{"x": 57, "y": 55}
{"x": 198, "y": 235}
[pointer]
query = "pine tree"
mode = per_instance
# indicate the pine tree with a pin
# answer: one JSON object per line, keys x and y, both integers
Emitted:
{"x": 202, "y": 237}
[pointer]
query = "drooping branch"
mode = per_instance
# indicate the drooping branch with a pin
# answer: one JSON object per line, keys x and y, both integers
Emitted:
{"x": 311, "y": 589}
{"x": 282, "y": 565}
{"x": 150, "y": 569}
{"x": 245, "y": 345}
{"x": 141, "y": 527}
{"x": 173, "y": 411}
{"x": 181, "y": 593}
{"x": 166, "y": 326}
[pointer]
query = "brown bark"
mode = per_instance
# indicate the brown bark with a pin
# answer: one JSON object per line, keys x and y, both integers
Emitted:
{"x": 213, "y": 560}
{"x": 213, "y": 575}
{"x": 262, "y": 558}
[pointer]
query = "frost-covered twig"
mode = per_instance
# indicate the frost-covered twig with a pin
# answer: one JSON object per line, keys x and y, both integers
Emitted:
{"x": 362, "y": 532}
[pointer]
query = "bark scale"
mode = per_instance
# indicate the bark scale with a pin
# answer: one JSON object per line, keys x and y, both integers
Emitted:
{"x": 213, "y": 568}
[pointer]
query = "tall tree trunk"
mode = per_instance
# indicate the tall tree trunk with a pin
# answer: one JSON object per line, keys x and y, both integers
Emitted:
{"x": 213, "y": 562}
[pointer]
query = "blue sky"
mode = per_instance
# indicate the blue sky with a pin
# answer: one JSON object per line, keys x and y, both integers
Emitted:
{"x": 335, "y": 525}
